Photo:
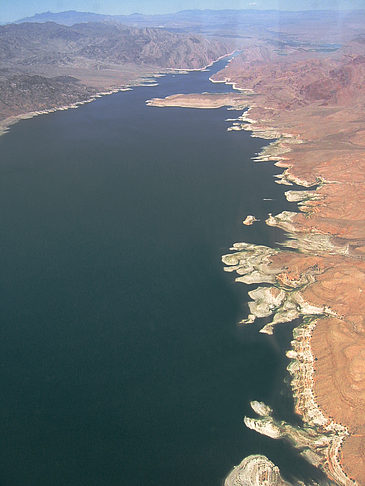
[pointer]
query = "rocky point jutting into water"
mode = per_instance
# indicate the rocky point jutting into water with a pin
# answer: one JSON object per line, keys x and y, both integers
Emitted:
{"x": 313, "y": 104}
{"x": 316, "y": 104}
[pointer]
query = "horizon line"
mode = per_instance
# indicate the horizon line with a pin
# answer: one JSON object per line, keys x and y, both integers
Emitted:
{"x": 250, "y": 9}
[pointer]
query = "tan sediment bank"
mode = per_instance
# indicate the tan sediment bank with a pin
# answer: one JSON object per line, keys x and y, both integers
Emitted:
{"x": 202, "y": 101}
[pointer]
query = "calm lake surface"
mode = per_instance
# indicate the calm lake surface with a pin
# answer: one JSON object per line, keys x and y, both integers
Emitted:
{"x": 121, "y": 359}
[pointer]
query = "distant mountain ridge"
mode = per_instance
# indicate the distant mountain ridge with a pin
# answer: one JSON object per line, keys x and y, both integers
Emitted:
{"x": 69, "y": 17}
{"x": 225, "y": 23}
{"x": 49, "y": 43}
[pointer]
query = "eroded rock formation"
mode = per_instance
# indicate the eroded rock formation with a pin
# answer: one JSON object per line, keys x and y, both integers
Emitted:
{"x": 314, "y": 105}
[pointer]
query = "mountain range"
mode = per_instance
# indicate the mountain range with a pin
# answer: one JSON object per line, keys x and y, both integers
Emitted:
{"x": 226, "y": 22}
{"x": 45, "y": 65}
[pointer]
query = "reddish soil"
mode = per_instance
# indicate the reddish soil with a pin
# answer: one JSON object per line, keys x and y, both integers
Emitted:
{"x": 320, "y": 98}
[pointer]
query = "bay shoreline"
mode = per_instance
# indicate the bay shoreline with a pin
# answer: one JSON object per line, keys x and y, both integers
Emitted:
{"x": 8, "y": 122}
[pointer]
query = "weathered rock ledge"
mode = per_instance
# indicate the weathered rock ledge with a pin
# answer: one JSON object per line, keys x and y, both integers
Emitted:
{"x": 283, "y": 298}
{"x": 255, "y": 470}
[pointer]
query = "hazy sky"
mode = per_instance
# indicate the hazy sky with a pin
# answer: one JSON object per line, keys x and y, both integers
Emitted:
{"x": 16, "y": 9}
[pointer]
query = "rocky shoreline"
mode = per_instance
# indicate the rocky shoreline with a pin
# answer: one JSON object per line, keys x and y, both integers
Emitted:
{"x": 318, "y": 274}
{"x": 281, "y": 298}
{"x": 150, "y": 79}
{"x": 321, "y": 439}
{"x": 6, "y": 123}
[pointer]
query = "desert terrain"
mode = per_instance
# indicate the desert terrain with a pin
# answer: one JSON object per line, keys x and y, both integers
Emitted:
{"x": 47, "y": 66}
{"x": 301, "y": 85}
{"x": 317, "y": 104}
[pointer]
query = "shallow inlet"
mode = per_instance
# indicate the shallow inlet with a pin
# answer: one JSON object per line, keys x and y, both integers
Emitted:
{"x": 121, "y": 359}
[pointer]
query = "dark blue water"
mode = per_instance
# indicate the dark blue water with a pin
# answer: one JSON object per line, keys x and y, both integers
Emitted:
{"x": 121, "y": 360}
